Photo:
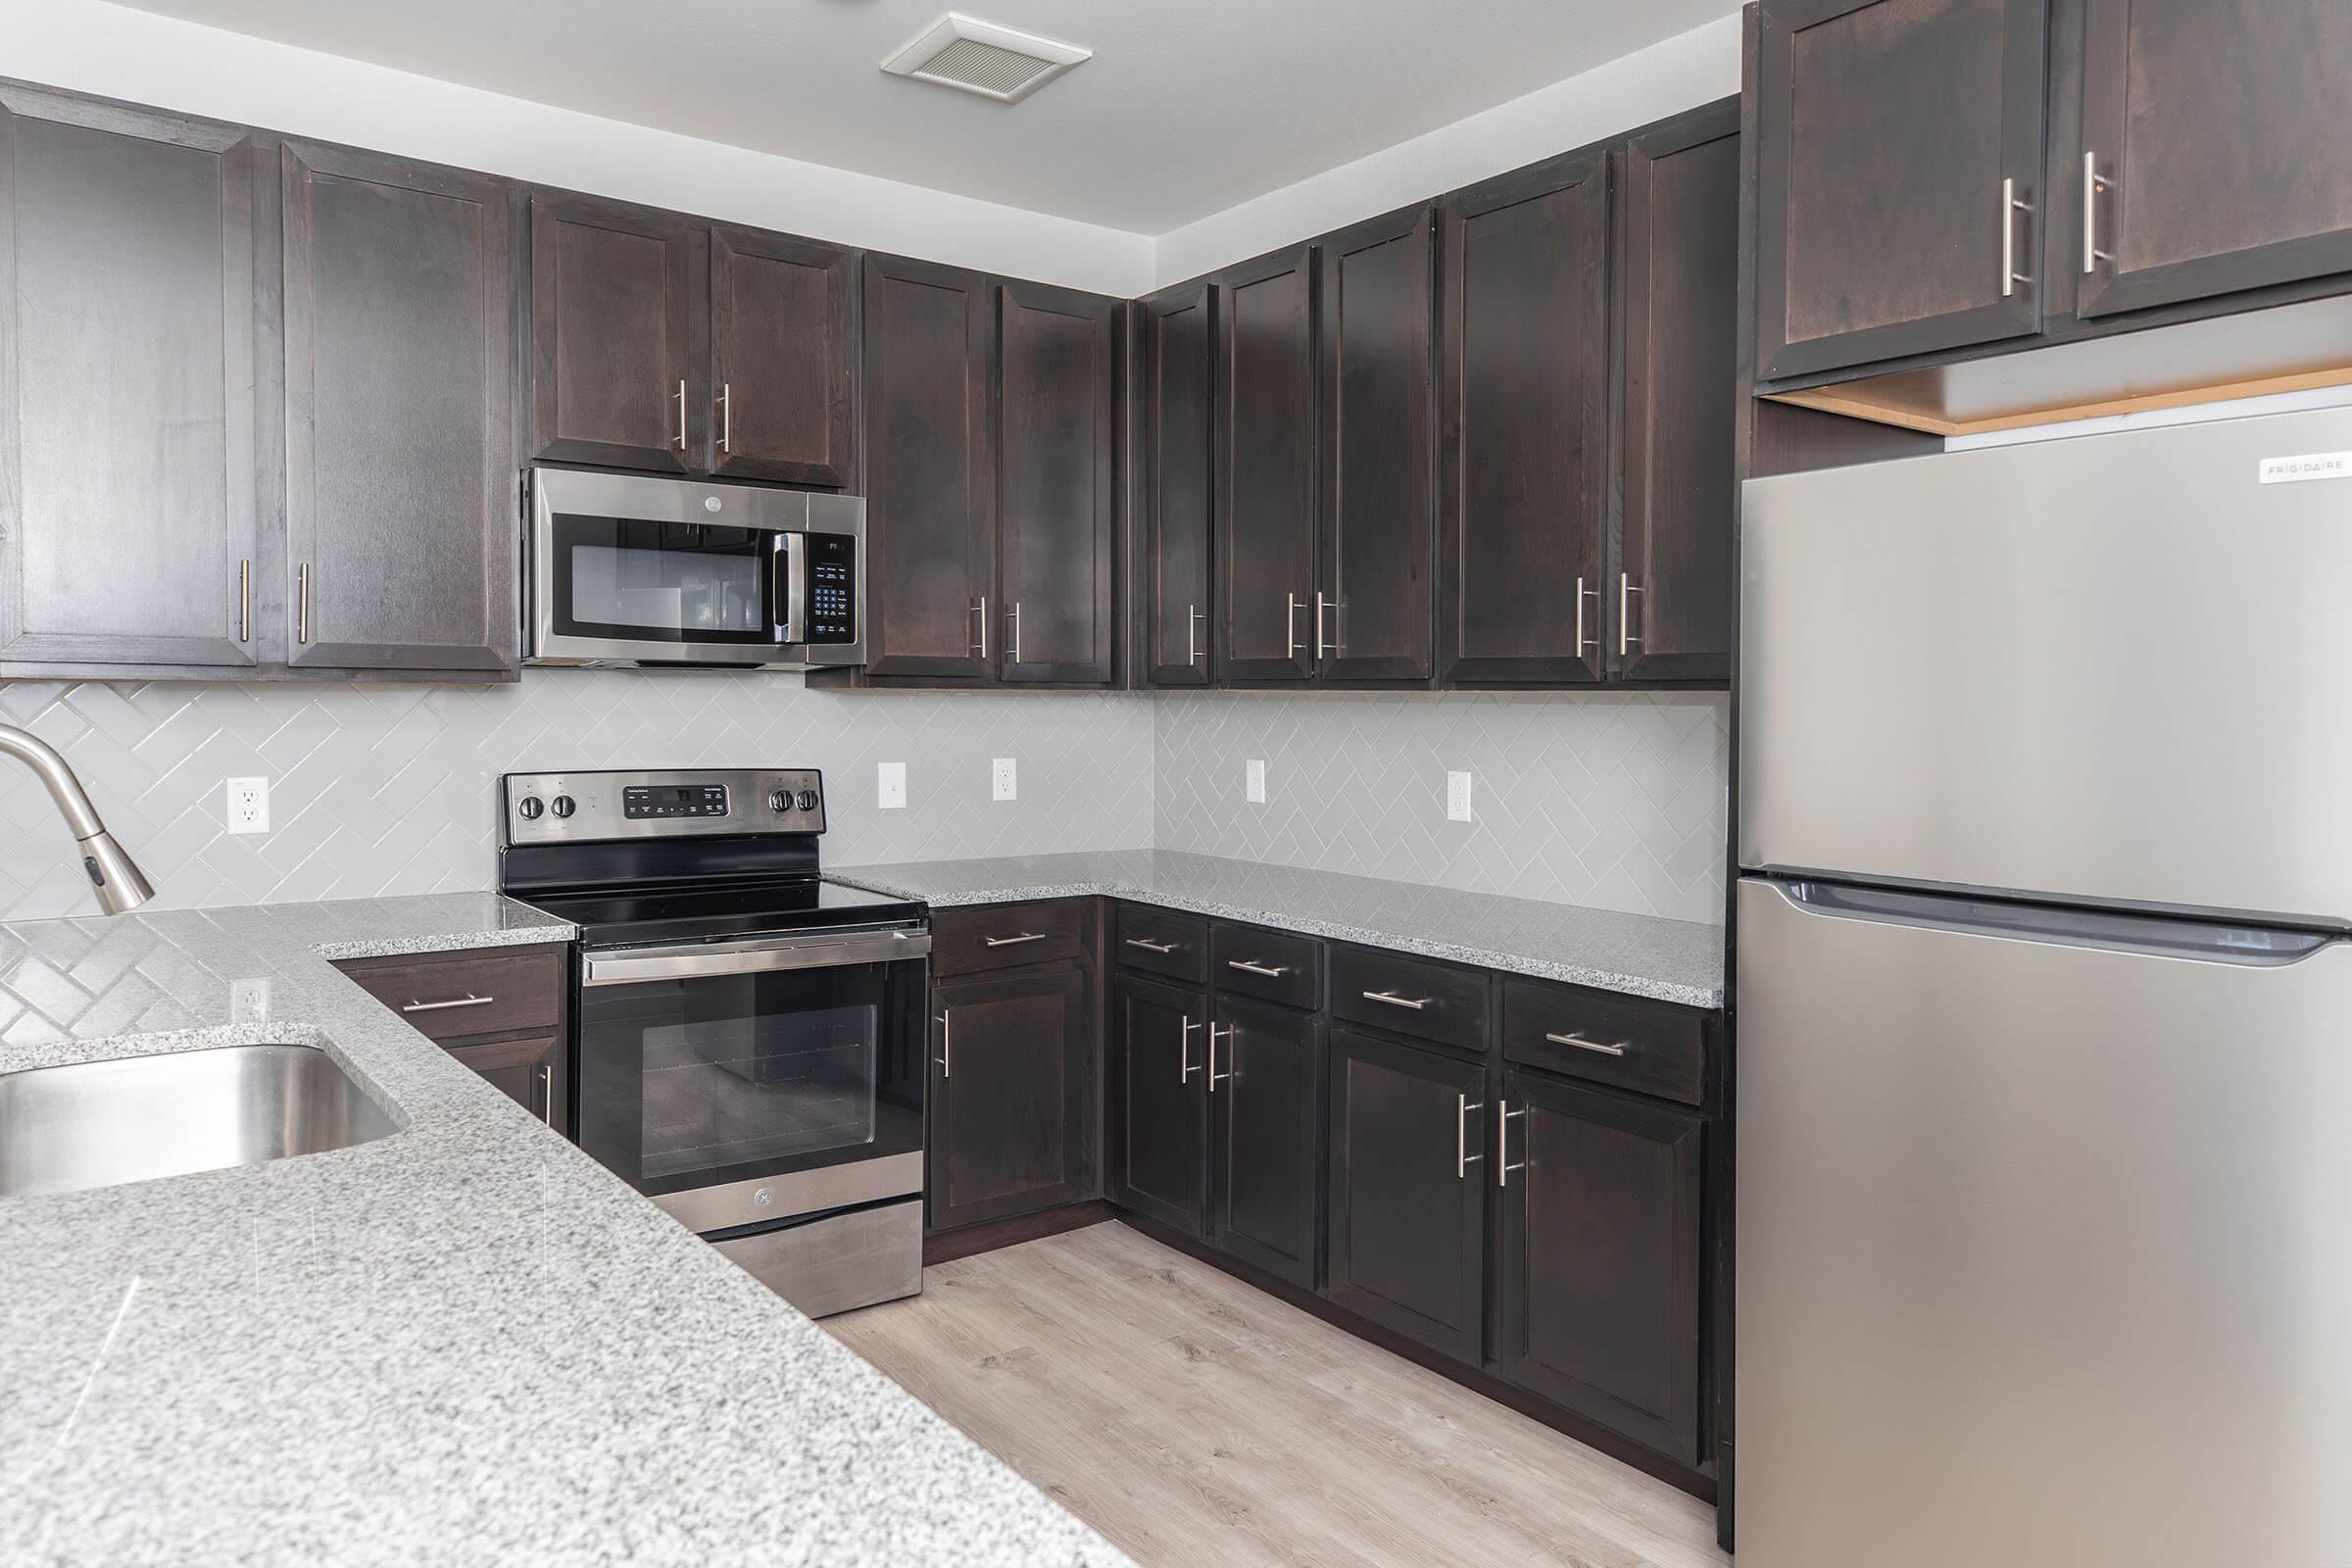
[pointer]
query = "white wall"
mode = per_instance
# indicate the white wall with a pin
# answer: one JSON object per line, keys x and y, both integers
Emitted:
{"x": 1680, "y": 73}
{"x": 93, "y": 48}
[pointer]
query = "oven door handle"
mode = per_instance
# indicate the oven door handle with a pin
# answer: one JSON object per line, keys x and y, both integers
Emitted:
{"x": 711, "y": 960}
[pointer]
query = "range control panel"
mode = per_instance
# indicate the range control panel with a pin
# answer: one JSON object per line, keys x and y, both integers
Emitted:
{"x": 583, "y": 807}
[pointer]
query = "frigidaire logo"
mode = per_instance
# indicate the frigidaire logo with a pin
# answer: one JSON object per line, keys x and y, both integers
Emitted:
{"x": 2311, "y": 465}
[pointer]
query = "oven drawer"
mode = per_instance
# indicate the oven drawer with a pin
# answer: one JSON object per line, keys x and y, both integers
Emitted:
{"x": 1651, "y": 1048}
{"x": 458, "y": 996}
{"x": 840, "y": 1262}
{"x": 1005, "y": 936}
{"x": 1163, "y": 941}
{"x": 1417, "y": 997}
{"x": 1276, "y": 966}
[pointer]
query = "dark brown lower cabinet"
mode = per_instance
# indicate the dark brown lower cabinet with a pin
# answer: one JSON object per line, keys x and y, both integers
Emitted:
{"x": 1158, "y": 1106}
{"x": 530, "y": 1072}
{"x": 1408, "y": 1235}
{"x": 1264, "y": 1090}
{"x": 1011, "y": 1094}
{"x": 1599, "y": 1257}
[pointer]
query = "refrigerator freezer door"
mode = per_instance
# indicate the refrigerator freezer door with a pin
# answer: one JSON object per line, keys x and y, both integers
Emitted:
{"x": 2115, "y": 668}
{"x": 2045, "y": 1254}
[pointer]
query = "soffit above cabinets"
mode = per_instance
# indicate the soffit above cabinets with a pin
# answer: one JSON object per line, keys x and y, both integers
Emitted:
{"x": 1183, "y": 110}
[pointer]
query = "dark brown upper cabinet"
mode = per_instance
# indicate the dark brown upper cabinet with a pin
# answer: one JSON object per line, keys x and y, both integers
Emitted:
{"x": 616, "y": 380}
{"x": 1056, "y": 490}
{"x": 1267, "y": 449}
{"x": 2208, "y": 159}
{"x": 930, "y": 472}
{"x": 1526, "y": 475}
{"x": 401, "y": 485}
{"x": 1669, "y": 607}
{"x": 1011, "y": 1094}
{"x": 1899, "y": 168}
{"x": 1600, "y": 1257}
{"x": 1374, "y": 597}
{"x": 783, "y": 353}
{"x": 132, "y": 532}
{"x": 1176, "y": 376}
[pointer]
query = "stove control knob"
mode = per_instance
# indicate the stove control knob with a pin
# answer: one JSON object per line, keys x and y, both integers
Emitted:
{"x": 530, "y": 807}
{"x": 808, "y": 800}
{"x": 563, "y": 806}
{"x": 781, "y": 801}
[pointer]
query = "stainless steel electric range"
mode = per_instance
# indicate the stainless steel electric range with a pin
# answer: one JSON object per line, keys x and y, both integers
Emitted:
{"x": 747, "y": 1037}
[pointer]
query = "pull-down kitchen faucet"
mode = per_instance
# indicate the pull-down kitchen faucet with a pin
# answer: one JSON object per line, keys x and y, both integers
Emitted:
{"x": 120, "y": 883}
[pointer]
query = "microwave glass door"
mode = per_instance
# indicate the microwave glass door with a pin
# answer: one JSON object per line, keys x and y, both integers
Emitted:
{"x": 630, "y": 580}
{"x": 706, "y": 1081}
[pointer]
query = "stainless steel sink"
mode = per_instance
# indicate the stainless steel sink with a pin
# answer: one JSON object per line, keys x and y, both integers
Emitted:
{"x": 135, "y": 1119}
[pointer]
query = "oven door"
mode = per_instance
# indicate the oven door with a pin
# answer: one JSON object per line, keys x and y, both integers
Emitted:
{"x": 742, "y": 1082}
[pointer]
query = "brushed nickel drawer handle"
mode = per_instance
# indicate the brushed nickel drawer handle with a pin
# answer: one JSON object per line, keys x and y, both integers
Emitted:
{"x": 467, "y": 1000}
{"x": 1148, "y": 945}
{"x": 1012, "y": 941}
{"x": 1581, "y": 1043}
{"x": 1272, "y": 972}
{"x": 1395, "y": 1000}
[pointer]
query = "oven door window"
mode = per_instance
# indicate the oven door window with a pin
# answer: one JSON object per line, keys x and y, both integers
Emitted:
{"x": 679, "y": 582}
{"x": 699, "y": 1083}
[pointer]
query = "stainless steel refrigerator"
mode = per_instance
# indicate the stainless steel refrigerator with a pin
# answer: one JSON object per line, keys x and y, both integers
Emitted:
{"x": 2044, "y": 1006}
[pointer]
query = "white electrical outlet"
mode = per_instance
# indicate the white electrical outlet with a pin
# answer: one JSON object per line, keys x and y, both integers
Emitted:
{"x": 249, "y": 806}
{"x": 1254, "y": 781}
{"x": 1005, "y": 780}
{"x": 1458, "y": 797}
{"x": 890, "y": 786}
{"x": 248, "y": 1002}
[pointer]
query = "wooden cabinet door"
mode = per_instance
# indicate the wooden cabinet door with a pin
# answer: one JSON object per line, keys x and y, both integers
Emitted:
{"x": 1175, "y": 382}
{"x": 1267, "y": 449}
{"x": 616, "y": 377}
{"x": 1600, "y": 1257}
{"x": 783, "y": 348}
{"x": 1056, "y": 490}
{"x": 1265, "y": 1104}
{"x": 1375, "y": 599}
{"x": 530, "y": 1072}
{"x": 2213, "y": 133}
{"x": 1407, "y": 1235}
{"x": 401, "y": 483}
{"x": 129, "y": 527}
{"x": 930, "y": 472}
{"x": 1010, "y": 1095}
{"x": 1526, "y": 488}
{"x": 1668, "y": 613}
{"x": 1886, "y": 131}
{"x": 1158, "y": 1115}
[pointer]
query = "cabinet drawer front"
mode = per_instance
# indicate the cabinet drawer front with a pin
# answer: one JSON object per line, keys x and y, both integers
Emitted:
{"x": 1648, "y": 1048}
{"x": 1163, "y": 941}
{"x": 1416, "y": 997}
{"x": 458, "y": 996}
{"x": 1274, "y": 964}
{"x": 1005, "y": 936}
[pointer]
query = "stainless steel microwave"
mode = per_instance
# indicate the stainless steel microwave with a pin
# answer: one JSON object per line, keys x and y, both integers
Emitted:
{"x": 635, "y": 569}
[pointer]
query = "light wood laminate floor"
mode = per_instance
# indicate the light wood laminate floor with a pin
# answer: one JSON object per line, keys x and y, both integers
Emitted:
{"x": 1197, "y": 1421}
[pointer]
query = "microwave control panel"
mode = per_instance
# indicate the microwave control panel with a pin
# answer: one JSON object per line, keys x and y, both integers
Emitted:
{"x": 832, "y": 587}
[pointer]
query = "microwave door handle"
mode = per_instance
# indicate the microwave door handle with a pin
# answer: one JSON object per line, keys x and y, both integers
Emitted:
{"x": 792, "y": 588}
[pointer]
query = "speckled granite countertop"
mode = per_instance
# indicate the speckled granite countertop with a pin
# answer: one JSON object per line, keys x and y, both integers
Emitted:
{"x": 467, "y": 1342}
{"x": 1671, "y": 960}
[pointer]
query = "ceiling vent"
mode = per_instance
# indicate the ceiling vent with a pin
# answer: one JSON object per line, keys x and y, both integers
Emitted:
{"x": 999, "y": 62}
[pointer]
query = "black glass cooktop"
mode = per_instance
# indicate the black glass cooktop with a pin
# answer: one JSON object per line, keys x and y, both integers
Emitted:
{"x": 714, "y": 912}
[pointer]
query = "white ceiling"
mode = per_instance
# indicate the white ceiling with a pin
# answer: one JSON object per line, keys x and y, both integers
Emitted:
{"x": 1185, "y": 110}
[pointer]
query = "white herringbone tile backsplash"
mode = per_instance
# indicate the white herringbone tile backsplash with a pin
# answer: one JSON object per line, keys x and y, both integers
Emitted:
{"x": 1606, "y": 800}
{"x": 389, "y": 789}
{"x": 1612, "y": 800}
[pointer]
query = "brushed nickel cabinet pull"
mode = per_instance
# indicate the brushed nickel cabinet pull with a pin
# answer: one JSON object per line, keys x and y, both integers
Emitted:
{"x": 1014, "y": 616}
{"x": 301, "y": 603}
{"x": 467, "y": 1000}
{"x": 2010, "y": 208}
{"x": 681, "y": 436}
{"x": 244, "y": 600}
{"x": 1463, "y": 1159}
{"x": 1183, "y": 1052}
{"x": 1272, "y": 972}
{"x": 546, "y": 1094}
{"x": 1192, "y": 633}
{"x": 1395, "y": 1000}
{"x": 2092, "y": 184}
{"x": 1012, "y": 941}
{"x": 1625, "y": 609}
{"x": 947, "y": 1049}
{"x": 980, "y": 609}
{"x": 1502, "y": 1145}
{"x": 726, "y": 417}
{"x": 1290, "y": 627}
{"x": 1215, "y": 1077}
{"x": 1581, "y": 1043}
{"x": 1320, "y": 605}
{"x": 1582, "y": 594}
{"x": 1149, "y": 946}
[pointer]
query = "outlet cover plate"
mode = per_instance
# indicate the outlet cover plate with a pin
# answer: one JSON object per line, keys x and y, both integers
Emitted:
{"x": 890, "y": 786}
{"x": 1254, "y": 781}
{"x": 248, "y": 805}
{"x": 1004, "y": 779}
{"x": 1458, "y": 797}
